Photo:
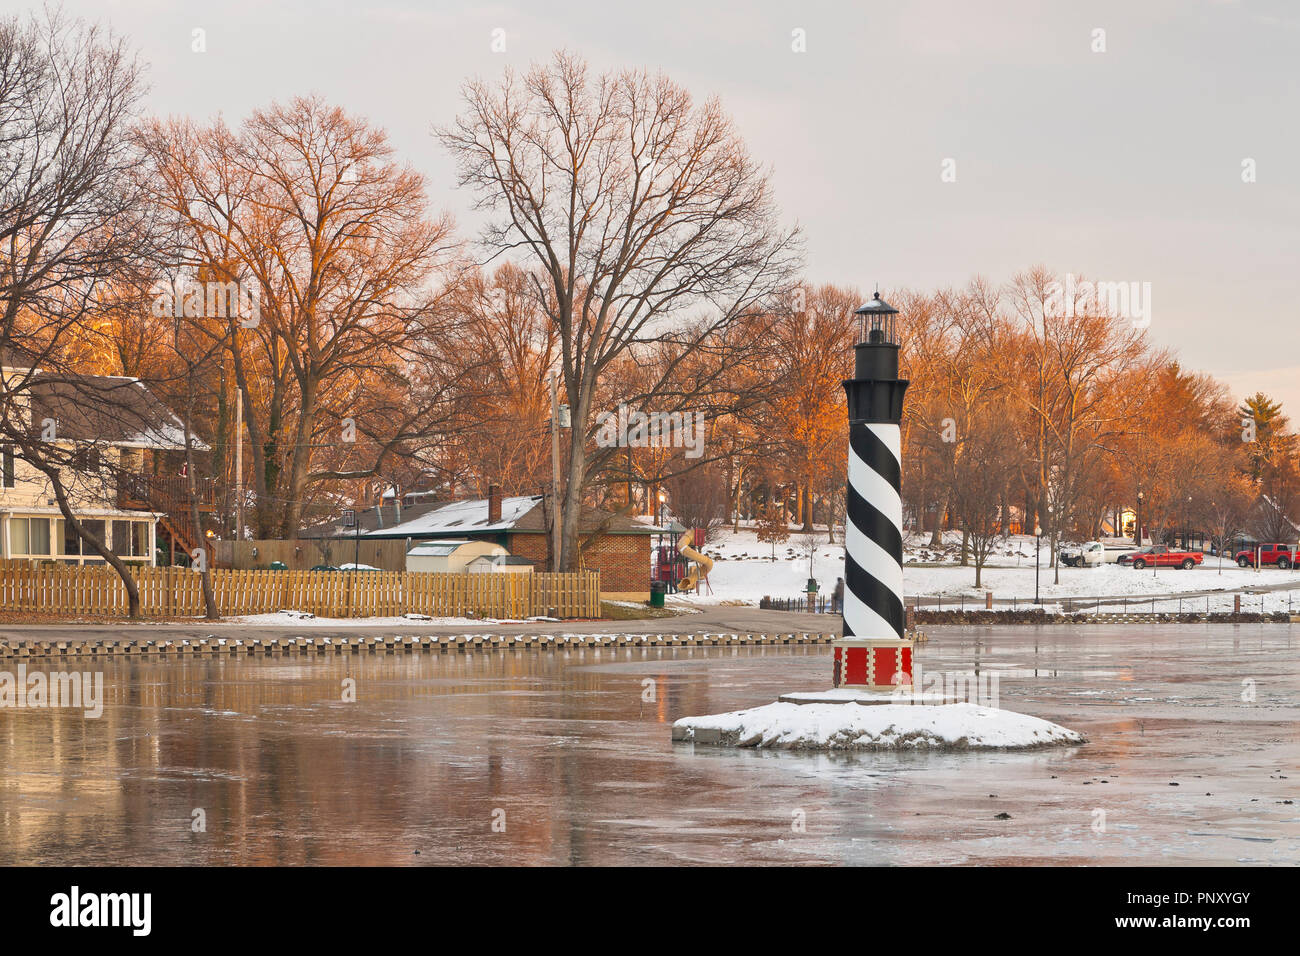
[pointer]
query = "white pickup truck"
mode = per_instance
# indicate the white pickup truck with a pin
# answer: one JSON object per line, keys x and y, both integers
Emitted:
{"x": 1093, "y": 553}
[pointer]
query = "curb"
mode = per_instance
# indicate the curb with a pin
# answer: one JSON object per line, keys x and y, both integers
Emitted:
{"x": 442, "y": 644}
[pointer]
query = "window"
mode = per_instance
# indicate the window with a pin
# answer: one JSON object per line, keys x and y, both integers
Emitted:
{"x": 86, "y": 459}
{"x": 122, "y": 538}
{"x": 18, "y": 535}
{"x": 38, "y": 535}
{"x": 7, "y": 466}
{"x": 29, "y": 536}
{"x": 131, "y": 539}
{"x": 73, "y": 546}
{"x": 96, "y": 528}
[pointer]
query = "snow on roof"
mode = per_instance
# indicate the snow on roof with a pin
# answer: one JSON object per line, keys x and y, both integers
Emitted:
{"x": 460, "y": 516}
{"x": 113, "y": 409}
{"x": 437, "y": 549}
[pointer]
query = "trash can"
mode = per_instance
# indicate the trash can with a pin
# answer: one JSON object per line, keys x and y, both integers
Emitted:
{"x": 657, "y": 589}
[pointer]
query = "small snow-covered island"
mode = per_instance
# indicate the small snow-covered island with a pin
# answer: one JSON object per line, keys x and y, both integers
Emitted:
{"x": 860, "y": 723}
{"x": 875, "y": 703}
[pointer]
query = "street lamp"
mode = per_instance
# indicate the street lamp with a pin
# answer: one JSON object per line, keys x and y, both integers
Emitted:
{"x": 1137, "y": 522}
{"x": 1038, "y": 548}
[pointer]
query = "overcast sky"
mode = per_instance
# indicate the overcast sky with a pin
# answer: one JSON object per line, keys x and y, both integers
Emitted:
{"x": 1122, "y": 165}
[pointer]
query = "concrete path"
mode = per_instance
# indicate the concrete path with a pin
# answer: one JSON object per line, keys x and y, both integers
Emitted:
{"x": 709, "y": 620}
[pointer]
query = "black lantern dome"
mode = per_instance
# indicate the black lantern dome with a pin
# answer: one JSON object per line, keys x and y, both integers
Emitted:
{"x": 877, "y": 322}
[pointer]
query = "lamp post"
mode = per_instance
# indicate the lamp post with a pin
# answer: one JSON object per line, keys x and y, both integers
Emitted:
{"x": 1038, "y": 550}
{"x": 873, "y": 652}
{"x": 1137, "y": 522}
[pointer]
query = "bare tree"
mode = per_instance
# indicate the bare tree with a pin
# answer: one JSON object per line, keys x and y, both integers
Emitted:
{"x": 645, "y": 218}
{"x": 699, "y": 499}
{"x": 307, "y": 205}
{"x": 71, "y": 219}
{"x": 983, "y": 466}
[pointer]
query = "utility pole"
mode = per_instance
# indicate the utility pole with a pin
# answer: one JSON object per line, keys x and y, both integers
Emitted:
{"x": 239, "y": 463}
{"x": 555, "y": 472}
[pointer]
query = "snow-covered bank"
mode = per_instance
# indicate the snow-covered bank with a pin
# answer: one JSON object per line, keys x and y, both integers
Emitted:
{"x": 789, "y": 726}
{"x": 744, "y": 571}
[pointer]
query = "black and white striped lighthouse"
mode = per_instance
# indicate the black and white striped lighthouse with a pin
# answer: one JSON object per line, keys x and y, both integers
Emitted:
{"x": 873, "y": 651}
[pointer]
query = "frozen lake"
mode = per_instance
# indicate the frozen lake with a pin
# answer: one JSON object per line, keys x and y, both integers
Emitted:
{"x": 541, "y": 757}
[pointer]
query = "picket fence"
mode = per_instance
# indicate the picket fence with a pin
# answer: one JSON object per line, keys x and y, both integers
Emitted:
{"x": 178, "y": 592}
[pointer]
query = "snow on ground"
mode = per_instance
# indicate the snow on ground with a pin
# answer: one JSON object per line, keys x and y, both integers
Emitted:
{"x": 744, "y": 571}
{"x": 789, "y": 726}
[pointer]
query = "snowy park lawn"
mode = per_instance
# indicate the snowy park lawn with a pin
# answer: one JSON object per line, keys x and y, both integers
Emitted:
{"x": 745, "y": 572}
{"x": 788, "y": 726}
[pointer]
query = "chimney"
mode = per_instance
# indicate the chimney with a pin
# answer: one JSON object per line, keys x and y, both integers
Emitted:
{"x": 494, "y": 504}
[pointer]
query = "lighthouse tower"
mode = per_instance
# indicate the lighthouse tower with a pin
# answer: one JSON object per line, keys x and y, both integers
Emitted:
{"x": 873, "y": 652}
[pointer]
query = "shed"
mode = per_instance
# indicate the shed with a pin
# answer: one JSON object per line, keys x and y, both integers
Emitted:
{"x": 511, "y": 563}
{"x": 450, "y": 555}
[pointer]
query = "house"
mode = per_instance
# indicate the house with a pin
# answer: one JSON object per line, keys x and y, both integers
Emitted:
{"x": 125, "y": 448}
{"x": 616, "y": 546}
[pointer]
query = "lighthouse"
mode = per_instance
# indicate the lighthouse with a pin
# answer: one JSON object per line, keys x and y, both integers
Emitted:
{"x": 873, "y": 652}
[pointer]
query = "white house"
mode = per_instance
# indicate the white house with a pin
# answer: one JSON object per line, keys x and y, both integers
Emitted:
{"x": 112, "y": 427}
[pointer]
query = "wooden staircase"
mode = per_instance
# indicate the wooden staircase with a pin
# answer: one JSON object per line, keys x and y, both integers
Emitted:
{"x": 170, "y": 495}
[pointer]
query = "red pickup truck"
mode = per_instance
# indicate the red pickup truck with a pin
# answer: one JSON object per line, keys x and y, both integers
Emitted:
{"x": 1161, "y": 557}
{"x": 1283, "y": 555}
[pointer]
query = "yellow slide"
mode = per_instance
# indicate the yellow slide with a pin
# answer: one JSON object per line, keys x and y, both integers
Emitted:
{"x": 701, "y": 567}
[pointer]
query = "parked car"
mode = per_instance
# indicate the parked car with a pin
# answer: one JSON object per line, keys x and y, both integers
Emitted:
{"x": 1161, "y": 556}
{"x": 1282, "y": 555}
{"x": 1128, "y": 557}
{"x": 1093, "y": 553}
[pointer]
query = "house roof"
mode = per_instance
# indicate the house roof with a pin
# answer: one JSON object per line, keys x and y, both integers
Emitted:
{"x": 111, "y": 409}
{"x": 458, "y": 518}
{"x": 375, "y": 517}
{"x": 523, "y": 514}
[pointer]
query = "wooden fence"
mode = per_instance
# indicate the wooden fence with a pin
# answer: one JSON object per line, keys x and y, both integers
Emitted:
{"x": 301, "y": 555}
{"x": 178, "y": 592}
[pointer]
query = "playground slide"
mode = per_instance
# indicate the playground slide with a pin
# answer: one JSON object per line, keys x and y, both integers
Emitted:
{"x": 701, "y": 567}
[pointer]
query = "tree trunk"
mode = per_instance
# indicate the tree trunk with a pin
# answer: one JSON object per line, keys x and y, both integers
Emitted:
{"x": 300, "y": 461}
{"x": 205, "y": 571}
{"x": 740, "y": 480}
{"x": 936, "y": 533}
{"x": 117, "y": 564}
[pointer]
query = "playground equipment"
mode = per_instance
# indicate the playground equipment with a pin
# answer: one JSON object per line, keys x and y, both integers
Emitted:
{"x": 701, "y": 565}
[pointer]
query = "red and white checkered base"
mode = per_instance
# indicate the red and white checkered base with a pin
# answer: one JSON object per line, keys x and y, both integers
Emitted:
{"x": 878, "y": 663}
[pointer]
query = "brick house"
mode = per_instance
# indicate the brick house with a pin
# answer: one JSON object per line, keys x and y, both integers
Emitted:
{"x": 616, "y": 546}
